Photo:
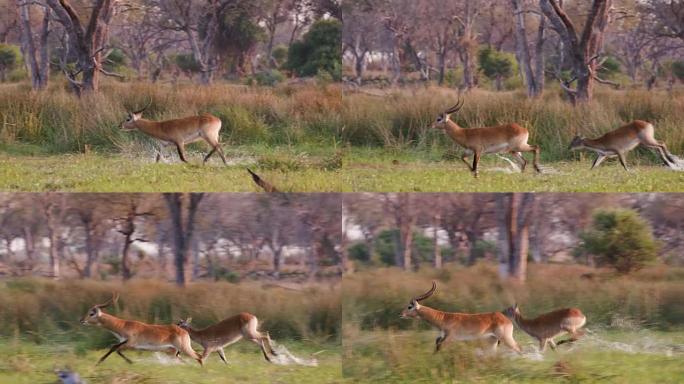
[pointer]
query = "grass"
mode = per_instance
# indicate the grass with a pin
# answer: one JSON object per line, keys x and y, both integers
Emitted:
{"x": 603, "y": 356}
{"x": 26, "y": 362}
{"x": 306, "y": 138}
{"x": 41, "y": 330}
{"x": 318, "y": 169}
{"x": 635, "y": 326}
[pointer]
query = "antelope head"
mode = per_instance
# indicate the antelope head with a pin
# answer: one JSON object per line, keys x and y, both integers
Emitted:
{"x": 412, "y": 310}
{"x": 129, "y": 123}
{"x": 185, "y": 324}
{"x": 512, "y": 312}
{"x": 443, "y": 118}
{"x": 577, "y": 143}
{"x": 92, "y": 317}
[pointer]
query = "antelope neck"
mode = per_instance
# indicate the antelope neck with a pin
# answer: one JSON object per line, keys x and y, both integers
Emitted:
{"x": 432, "y": 316}
{"x": 110, "y": 322}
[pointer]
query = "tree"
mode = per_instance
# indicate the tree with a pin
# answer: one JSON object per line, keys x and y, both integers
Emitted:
{"x": 35, "y": 52}
{"x": 318, "y": 51}
{"x": 495, "y": 65}
{"x": 183, "y": 211}
{"x": 87, "y": 40}
{"x": 9, "y": 58}
{"x": 533, "y": 77}
{"x": 620, "y": 239}
{"x": 585, "y": 49}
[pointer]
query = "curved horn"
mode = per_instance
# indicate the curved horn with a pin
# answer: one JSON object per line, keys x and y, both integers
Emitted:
{"x": 114, "y": 299}
{"x": 144, "y": 108}
{"x": 427, "y": 294}
{"x": 457, "y": 107}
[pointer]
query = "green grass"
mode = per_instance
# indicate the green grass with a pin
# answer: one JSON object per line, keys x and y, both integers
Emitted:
{"x": 26, "y": 362}
{"x": 318, "y": 169}
{"x": 637, "y": 356}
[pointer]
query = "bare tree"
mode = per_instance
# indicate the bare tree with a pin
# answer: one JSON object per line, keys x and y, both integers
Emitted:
{"x": 87, "y": 40}
{"x": 183, "y": 211}
{"x": 35, "y": 51}
{"x": 584, "y": 49}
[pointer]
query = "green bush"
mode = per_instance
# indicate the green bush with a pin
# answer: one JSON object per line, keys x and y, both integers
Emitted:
{"x": 186, "y": 62}
{"x": 620, "y": 239}
{"x": 497, "y": 66}
{"x": 319, "y": 50}
{"x": 10, "y": 58}
{"x": 268, "y": 78}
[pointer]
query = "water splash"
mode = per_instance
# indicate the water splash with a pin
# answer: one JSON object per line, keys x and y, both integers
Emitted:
{"x": 678, "y": 164}
{"x": 285, "y": 357}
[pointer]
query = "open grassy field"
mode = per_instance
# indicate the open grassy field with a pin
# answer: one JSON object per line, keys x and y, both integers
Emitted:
{"x": 307, "y": 170}
{"x": 638, "y": 356}
{"x": 635, "y": 326}
{"x": 41, "y": 331}
{"x": 27, "y": 362}
{"x": 315, "y": 137}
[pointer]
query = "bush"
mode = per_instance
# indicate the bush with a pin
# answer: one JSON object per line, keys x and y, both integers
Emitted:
{"x": 186, "y": 62}
{"x": 319, "y": 50}
{"x": 268, "y": 78}
{"x": 497, "y": 66}
{"x": 620, "y": 239}
{"x": 10, "y": 58}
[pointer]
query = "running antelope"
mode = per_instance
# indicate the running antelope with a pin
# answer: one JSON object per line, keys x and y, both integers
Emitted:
{"x": 508, "y": 138}
{"x": 622, "y": 140}
{"x": 178, "y": 132}
{"x": 138, "y": 335}
{"x": 546, "y": 327}
{"x": 463, "y": 326}
{"x": 224, "y": 333}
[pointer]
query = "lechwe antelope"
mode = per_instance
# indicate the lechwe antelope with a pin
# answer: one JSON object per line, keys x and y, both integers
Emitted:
{"x": 228, "y": 331}
{"x": 138, "y": 335}
{"x": 508, "y": 138}
{"x": 463, "y": 326}
{"x": 549, "y": 325}
{"x": 178, "y": 132}
{"x": 622, "y": 140}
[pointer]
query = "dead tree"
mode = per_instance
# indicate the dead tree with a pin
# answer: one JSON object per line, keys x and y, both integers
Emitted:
{"x": 583, "y": 49}
{"x": 86, "y": 41}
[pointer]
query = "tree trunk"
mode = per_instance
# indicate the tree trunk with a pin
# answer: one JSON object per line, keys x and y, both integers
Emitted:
{"x": 125, "y": 257}
{"x": 502, "y": 221}
{"x": 520, "y": 211}
{"x": 38, "y": 70}
{"x": 584, "y": 49}
{"x": 182, "y": 231}
{"x": 522, "y": 49}
{"x": 30, "y": 246}
{"x": 437, "y": 259}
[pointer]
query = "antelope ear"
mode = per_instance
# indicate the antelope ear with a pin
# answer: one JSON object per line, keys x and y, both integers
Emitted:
{"x": 188, "y": 320}
{"x": 515, "y": 306}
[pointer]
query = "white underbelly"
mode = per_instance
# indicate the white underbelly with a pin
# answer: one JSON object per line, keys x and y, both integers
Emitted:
{"x": 473, "y": 337}
{"x": 154, "y": 347}
{"x": 497, "y": 148}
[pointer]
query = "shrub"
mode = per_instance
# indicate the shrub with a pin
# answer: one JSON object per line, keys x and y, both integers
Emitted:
{"x": 268, "y": 78}
{"x": 497, "y": 66}
{"x": 10, "y": 58}
{"x": 319, "y": 50}
{"x": 620, "y": 239}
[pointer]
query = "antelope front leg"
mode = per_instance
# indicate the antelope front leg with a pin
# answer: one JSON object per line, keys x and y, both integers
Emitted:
{"x": 222, "y": 355}
{"x": 476, "y": 161}
{"x": 464, "y": 159}
{"x": 114, "y": 348}
{"x": 440, "y": 340}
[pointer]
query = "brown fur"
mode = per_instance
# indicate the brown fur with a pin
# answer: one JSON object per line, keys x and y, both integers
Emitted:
{"x": 622, "y": 140}
{"x": 216, "y": 337}
{"x": 138, "y": 335}
{"x": 493, "y": 326}
{"x": 179, "y": 132}
{"x": 547, "y": 326}
{"x": 508, "y": 138}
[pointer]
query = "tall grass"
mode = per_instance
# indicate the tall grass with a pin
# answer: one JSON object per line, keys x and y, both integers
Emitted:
{"x": 57, "y": 121}
{"x": 652, "y": 297}
{"x": 42, "y": 310}
{"x": 401, "y": 118}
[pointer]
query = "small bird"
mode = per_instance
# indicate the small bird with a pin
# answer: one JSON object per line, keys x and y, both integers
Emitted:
{"x": 266, "y": 186}
{"x": 66, "y": 376}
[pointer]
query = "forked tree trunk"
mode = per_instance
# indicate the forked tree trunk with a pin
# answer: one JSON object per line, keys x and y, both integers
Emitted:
{"x": 583, "y": 49}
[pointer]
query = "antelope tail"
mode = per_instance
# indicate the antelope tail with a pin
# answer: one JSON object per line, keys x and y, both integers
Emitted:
{"x": 266, "y": 186}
